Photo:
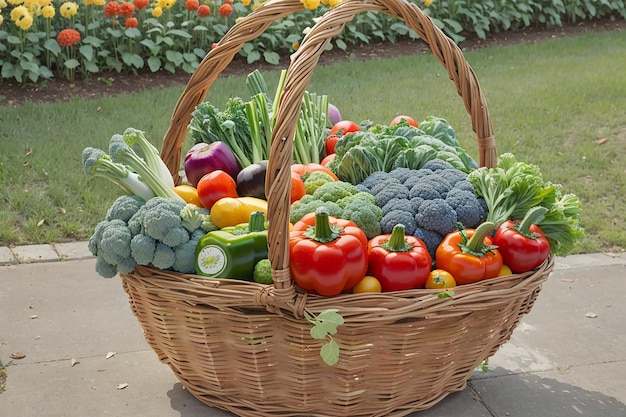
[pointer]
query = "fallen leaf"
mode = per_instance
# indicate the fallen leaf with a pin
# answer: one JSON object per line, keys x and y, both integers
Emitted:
{"x": 63, "y": 211}
{"x": 567, "y": 280}
{"x": 18, "y": 355}
{"x": 98, "y": 109}
{"x": 34, "y": 316}
{"x": 41, "y": 222}
{"x": 122, "y": 386}
{"x": 29, "y": 152}
{"x": 602, "y": 141}
{"x": 591, "y": 315}
{"x": 26, "y": 164}
{"x": 73, "y": 362}
{"x": 110, "y": 355}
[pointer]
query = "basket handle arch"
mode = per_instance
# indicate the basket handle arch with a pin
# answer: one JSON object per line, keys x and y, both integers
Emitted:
{"x": 299, "y": 74}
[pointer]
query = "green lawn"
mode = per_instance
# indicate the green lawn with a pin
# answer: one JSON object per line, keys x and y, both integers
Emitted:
{"x": 558, "y": 103}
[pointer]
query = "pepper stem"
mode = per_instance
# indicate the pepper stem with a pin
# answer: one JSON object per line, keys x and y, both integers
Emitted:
{"x": 323, "y": 231}
{"x": 533, "y": 216}
{"x": 396, "y": 242}
{"x": 257, "y": 222}
{"x": 476, "y": 244}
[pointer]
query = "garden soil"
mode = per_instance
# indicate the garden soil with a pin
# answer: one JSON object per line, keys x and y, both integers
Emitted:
{"x": 111, "y": 84}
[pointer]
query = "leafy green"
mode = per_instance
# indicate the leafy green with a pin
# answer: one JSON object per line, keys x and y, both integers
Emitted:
{"x": 324, "y": 326}
{"x": 512, "y": 188}
{"x": 384, "y": 148}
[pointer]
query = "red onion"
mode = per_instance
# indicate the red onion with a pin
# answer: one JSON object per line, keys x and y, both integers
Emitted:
{"x": 203, "y": 158}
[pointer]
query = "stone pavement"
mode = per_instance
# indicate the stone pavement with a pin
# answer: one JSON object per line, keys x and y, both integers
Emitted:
{"x": 85, "y": 355}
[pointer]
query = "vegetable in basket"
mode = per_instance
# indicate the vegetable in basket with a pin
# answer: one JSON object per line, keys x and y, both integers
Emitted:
{"x": 521, "y": 243}
{"x": 513, "y": 187}
{"x": 469, "y": 255}
{"x": 233, "y": 252}
{"x": 327, "y": 255}
{"x": 203, "y": 158}
{"x": 230, "y": 211}
{"x": 214, "y": 186}
{"x": 399, "y": 262}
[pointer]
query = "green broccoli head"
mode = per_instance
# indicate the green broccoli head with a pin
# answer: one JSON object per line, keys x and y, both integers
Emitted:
{"x": 315, "y": 180}
{"x": 124, "y": 207}
{"x": 334, "y": 191}
{"x": 263, "y": 272}
{"x": 365, "y": 214}
{"x": 308, "y": 204}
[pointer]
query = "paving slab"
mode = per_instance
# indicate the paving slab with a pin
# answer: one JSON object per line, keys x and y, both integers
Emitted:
{"x": 72, "y": 251}
{"x": 35, "y": 253}
{"x": 562, "y": 361}
{"x": 6, "y": 256}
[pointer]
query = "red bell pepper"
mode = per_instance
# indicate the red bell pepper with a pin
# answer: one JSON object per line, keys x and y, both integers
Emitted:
{"x": 399, "y": 262}
{"x": 522, "y": 243}
{"x": 327, "y": 255}
{"x": 469, "y": 255}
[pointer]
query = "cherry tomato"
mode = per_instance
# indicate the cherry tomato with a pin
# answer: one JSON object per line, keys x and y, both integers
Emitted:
{"x": 214, "y": 186}
{"x": 331, "y": 142}
{"x": 305, "y": 170}
{"x": 505, "y": 271}
{"x": 188, "y": 193}
{"x": 408, "y": 119}
{"x": 367, "y": 284}
{"x": 327, "y": 159}
{"x": 440, "y": 279}
{"x": 297, "y": 187}
{"x": 343, "y": 127}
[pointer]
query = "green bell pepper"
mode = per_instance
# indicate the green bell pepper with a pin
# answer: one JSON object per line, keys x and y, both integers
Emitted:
{"x": 232, "y": 252}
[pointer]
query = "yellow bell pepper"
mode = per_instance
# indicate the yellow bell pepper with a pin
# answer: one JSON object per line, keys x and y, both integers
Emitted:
{"x": 229, "y": 211}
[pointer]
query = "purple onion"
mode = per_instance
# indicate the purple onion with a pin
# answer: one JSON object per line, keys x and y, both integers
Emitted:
{"x": 203, "y": 158}
{"x": 333, "y": 114}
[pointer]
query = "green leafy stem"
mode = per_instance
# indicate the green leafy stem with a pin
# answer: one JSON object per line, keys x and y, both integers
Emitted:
{"x": 324, "y": 326}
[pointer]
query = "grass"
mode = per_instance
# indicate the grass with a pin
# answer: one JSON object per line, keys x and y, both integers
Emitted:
{"x": 558, "y": 103}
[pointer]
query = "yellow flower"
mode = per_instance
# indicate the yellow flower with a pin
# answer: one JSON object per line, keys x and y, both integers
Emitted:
{"x": 48, "y": 11}
{"x": 246, "y": 2}
{"x": 16, "y": 2}
{"x": 25, "y": 23}
{"x": 166, "y": 4}
{"x": 427, "y": 3}
{"x": 157, "y": 11}
{"x": 295, "y": 45}
{"x": 1, "y": 20}
{"x": 3, "y": 4}
{"x": 98, "y": 2}
{"x": 68, "y": 9}
{"x": 18, "y": 13}
{"x": 333, "y": 3}
{"x": 310, "y": 4}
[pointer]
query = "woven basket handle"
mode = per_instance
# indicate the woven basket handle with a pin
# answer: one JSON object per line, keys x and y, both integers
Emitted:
{"x": 278, "y": 180}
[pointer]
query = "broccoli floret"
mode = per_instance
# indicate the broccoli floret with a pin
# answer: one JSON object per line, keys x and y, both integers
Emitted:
{"x": 126, "y": 266}
{"x": 361, "y": 187}
{"x": 164, "y": 256}
{"x": 363, "y": 196}
{"x": 185, "y": 262}
{"x": 162, "y": 217}
{"x": 417, "y": 177}
{"x": 440, "y": 184}
{"x": 193, "y": 216}
{"x": 263, "y": 272}
{"x": 436, "y": 215}
{"x": 391, "y": 191}
{"x": 315, "y": 180}
{"x": 397, "y": 204}
{"x": 142, "y": 248}
{"x": 208, "y": 225}
{"x": 308, "y": 204}
{"x": 105, "y": 269}
{"x": 135, "y": 224}
{"x": 124, "y": 207}
{"x": 465, "y": 185}
{"x": 425, "y": 191}
{"x": 114, "y": 245}
{"x": 96, "y": 237}
{"x": 430, "y": 238}
{"x": 401, "y": 174}
{"x": 437, "y": 164}
{"x": 334, "y": 191}
{"x": 366, "y": 215}
{"x": 376, "y": 188}
{"x": 468, "y": 210}
{"x": 375, "y": 178}
{"x": 395, "y": 217}
{"x": 416, "y": 202}
{"x": 453, "y": 176}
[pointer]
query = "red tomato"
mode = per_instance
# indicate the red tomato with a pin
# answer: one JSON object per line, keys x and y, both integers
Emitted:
{"x": 297, "y": 187}
{"x": 408, "y": 119}
{"x": 305, "y": 170}
{"x": 327, "y": 159}
{"x": 331, "y": 141}
{"x": 214, "y": 186}
{"x": 343, "y": 127}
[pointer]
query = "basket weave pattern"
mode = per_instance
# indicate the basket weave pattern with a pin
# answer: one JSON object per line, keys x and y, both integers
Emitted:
{"x": 246, "y": 348}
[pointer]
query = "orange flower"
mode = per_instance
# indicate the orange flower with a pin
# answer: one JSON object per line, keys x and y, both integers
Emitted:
{"x": 68, "y": 37}
{"x": 204, "y": 10}
{"x": 227, "y": 1}
{"x": 192, "y": 5}
{"x": 140, "y": 4}
{"x": 111, "y": 9}
{"x": 127, "y": 9}
{"x": 226, "y": 10}
{"x": 131, "y": 22}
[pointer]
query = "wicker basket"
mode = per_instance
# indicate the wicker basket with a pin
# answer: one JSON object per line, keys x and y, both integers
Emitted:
{"x": 246, "y": 348}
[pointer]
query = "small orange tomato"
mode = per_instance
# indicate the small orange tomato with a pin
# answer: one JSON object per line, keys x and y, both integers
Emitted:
{"x": 188, "y": 193}
{"x": 327, "y": 159}
{"x": 408, "y": 119}
{"x": 505, "y": 271}
{"x": 440, "y": 279}
{"x": 297, "y": 187}
{"x": 367, "y": 284}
